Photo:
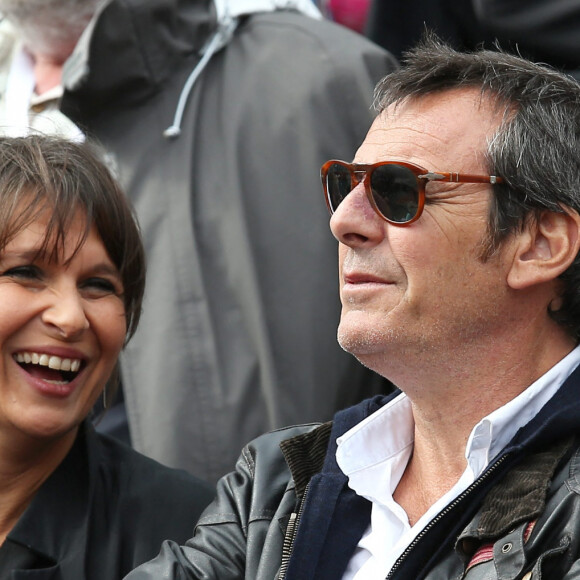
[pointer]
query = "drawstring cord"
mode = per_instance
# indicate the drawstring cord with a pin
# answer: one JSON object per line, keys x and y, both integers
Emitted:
{"x": 221, "y": 37}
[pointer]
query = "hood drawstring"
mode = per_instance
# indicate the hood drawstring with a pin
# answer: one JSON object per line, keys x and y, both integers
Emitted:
{"x": 228, "y": 19}
{"x": 221, "y": 37}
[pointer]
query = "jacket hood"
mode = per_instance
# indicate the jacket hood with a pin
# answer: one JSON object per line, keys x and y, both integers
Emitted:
{"x": 228, "y": 14}
{"x": 131, "y": 48}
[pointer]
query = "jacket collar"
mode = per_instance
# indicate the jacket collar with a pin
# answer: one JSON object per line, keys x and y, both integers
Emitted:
{"x": 557, "y": 420}
{"x": 503, "y": 508}
{"x": 315, "y": 451}
{"x": 65, "y": 496}
{"x": 132, "y": 48}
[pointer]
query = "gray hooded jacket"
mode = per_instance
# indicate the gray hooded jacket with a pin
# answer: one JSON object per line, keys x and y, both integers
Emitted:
{"x": 217, "y": 122}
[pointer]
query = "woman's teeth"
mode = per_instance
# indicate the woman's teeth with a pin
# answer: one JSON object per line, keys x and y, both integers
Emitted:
{"x": 53, "y": 362}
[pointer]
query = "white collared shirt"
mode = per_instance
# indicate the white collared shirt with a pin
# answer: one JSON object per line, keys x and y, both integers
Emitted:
{"x": 374, "y": 454}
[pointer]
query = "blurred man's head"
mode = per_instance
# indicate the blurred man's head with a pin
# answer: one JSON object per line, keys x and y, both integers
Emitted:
{"x": 50, "y": 27}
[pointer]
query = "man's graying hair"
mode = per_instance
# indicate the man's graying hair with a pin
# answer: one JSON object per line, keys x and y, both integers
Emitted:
{"x": 536, "y": 148}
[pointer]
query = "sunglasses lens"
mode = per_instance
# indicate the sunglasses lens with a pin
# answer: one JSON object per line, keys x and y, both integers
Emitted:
{"x": 338, "y": 184}
{"x": 395, "y": 191}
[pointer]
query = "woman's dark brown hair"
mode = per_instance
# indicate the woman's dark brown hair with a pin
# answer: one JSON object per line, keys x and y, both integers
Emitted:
{"x": 70, "y": 180}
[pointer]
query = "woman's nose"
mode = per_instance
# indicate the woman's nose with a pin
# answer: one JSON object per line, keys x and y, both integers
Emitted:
{"x": 355, "y": 221}
{"x": 66, "y": 314}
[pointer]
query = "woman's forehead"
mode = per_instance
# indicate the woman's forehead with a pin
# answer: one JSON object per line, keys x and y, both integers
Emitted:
{"x": 53, "y": 234}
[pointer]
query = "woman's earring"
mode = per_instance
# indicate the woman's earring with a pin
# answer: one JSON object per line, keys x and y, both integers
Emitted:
{"x": 106, "y": 401}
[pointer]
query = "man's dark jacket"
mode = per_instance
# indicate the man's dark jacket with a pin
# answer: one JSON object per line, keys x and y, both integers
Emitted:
{"x": 288, "y": 513}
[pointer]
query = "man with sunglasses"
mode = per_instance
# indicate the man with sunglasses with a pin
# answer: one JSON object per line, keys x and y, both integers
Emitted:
{"x": 459, "y": 230}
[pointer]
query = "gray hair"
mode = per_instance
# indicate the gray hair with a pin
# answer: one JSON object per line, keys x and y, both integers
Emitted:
{"x": 536, "y": 148}
{"x": 50, "y": 27}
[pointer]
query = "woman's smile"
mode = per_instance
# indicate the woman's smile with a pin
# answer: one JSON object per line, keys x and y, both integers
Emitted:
{"x": 53, "y": 375}
{"x": 62, "y": 326}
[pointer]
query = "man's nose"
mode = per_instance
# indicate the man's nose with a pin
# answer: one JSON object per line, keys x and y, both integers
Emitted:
{"x": 65, "y": 313}
{"x": 355, "y": 221}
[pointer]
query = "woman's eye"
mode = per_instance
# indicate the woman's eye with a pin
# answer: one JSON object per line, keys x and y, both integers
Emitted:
{"x": 28, "y": 272}
{"x": 100, "y": 286}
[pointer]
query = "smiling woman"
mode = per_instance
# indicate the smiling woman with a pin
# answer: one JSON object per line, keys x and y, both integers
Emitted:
{"x": 72, "y": 273}
{"x": 61, "y": 309}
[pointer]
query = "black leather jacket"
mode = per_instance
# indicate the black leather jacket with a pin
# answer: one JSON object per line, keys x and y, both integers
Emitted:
{"x": 101, "y": 512}
{"x": 521, "y": 516}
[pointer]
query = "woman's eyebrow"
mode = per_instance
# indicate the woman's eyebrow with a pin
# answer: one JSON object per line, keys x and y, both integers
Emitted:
{"x": 105, "y": 268}
{"x": 26, "y": 253}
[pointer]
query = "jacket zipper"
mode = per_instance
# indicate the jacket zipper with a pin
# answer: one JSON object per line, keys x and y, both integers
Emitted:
{"x": 290, "y": 535}
{"x": 443, "y": 513}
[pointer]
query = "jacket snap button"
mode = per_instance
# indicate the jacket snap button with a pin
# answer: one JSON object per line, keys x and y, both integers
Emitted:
{"x": 506, "y": 548}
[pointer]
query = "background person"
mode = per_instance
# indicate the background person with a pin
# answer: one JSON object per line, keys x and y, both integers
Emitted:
{"x": 217, "y": 117}
{"x": 350, "y": 13}
{"x": 540, "y": 30}
{"x": 466, "y": 296}
{"x": 74, "y": 504}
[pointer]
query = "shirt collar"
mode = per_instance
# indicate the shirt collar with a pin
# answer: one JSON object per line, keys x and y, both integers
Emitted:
{"x": 496, "y": 430}
{"x": 374, "y": 453}
{"x": 380, "y": 445}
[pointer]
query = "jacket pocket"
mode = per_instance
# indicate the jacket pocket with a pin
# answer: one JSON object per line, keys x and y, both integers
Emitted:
{"x": 506, "y": 560}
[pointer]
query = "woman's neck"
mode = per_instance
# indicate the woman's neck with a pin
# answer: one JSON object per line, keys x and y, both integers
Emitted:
{"x": 24, "y": 467}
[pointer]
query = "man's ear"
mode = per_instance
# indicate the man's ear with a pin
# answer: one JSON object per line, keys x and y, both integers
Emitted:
{"x": 545, "y": 249}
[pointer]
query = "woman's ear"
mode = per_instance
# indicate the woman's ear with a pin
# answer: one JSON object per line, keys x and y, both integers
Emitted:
{"x": 544, "y": 249}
